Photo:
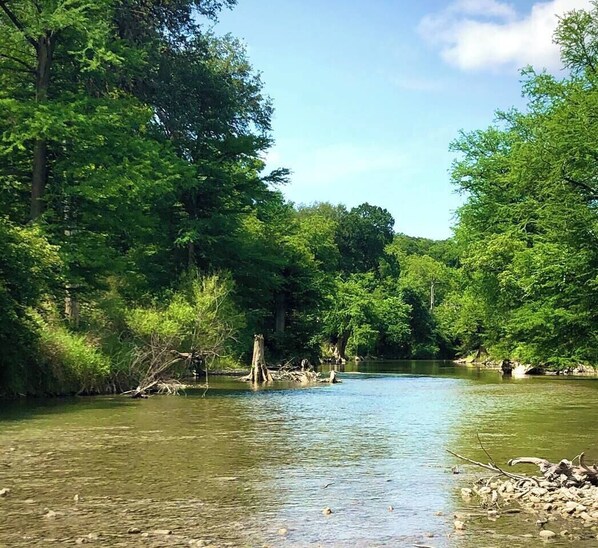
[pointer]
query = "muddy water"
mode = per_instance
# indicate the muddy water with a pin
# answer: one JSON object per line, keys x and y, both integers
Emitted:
{"x": 252, "y": 468}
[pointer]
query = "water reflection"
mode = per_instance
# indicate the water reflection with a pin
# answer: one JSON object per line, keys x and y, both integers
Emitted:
{"x": 238, "y": 466}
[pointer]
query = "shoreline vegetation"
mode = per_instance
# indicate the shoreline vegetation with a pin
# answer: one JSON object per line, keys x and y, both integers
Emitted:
{"x": 141, "y": 233}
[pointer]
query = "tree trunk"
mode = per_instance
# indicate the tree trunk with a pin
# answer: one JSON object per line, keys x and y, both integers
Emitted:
{"x": 71, "y": 305}
{"x": 191, "y": 255}
{"x": 44, "y": 50}
{"x": 340, "y": 347}
{"x": 280, "y": 312}
{"x": 259, "y": 372}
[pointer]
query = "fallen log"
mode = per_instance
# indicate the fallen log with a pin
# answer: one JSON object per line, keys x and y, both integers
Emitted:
{"x": 563, "y": 472}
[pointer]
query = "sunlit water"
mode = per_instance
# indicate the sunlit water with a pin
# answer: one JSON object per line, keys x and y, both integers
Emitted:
{"x": 252, "y": 468}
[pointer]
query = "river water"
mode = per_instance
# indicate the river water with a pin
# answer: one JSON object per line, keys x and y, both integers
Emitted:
{"x": 240, "y": 467}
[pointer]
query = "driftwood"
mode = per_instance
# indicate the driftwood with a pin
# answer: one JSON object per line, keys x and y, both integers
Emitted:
{"x": 563, "y": 472}
{"x": 565, "y": 490}
{"x": 155, "y": 366}
{"x": 492, "y": 466}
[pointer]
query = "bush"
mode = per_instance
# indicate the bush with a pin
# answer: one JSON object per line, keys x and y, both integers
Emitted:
{"x": 199, "y": 318}
{"x": 72, "y": 363}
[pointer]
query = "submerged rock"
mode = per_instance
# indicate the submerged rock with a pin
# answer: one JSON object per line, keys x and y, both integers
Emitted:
{"x": 459, "y": 525}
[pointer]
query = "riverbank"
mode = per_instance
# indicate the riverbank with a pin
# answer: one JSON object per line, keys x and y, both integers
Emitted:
{"x": 564, "y": 500}
{"x": 518, "y": 369}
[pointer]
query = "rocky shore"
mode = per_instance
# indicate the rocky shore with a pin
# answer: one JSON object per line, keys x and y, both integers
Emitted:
{"x": 517, "y": 369}
{"x": 564, "y": 501}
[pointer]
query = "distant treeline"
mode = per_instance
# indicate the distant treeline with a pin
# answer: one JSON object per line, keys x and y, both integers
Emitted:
{"x": 136, "y": 215}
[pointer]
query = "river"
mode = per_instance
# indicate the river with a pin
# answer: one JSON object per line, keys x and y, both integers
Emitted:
{"x": 240, "y": 467}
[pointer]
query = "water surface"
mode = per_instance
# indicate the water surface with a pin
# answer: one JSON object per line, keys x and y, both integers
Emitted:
{"x": 240, "y": 467}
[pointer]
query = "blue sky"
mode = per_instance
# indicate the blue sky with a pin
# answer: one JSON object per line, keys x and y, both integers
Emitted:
{"x": 369, "y": 94}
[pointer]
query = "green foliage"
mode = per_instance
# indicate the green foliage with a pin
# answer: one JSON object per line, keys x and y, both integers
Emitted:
{"x": 528, "y": 229}
{"x": 199, "y": 318}
{"x": 373, "y": 319}
{"x": 362, "y": 235}
{"x": 71, "y": 363}
{"x": 29, "y": 271}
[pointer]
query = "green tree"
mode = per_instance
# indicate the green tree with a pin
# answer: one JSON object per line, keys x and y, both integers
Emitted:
{"x": 362, "y": 235}
{"x": 528, "y": 229}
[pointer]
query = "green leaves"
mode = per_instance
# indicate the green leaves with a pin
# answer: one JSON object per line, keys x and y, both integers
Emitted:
{"x": 528, "y": 229}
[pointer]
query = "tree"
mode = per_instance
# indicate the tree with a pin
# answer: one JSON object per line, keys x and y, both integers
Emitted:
{"x": 528, "y": 228}
{"x": 362, "y": 235}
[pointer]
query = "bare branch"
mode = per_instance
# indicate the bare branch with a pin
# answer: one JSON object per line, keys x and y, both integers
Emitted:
{"x": 491, "y": 467}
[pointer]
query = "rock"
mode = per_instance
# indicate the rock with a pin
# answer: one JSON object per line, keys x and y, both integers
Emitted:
{"x": 586, "y": 517}
{"x": 76, "y": 498}
{"x": 162, "y": 532}
{"x": 466, "y": 493}
{"x": 390, "y": 508}
{"x": 459, "y": 525}
{"x": 81, "y": 540}
{"x": 50, "y": 514}
{"x": 4, "y": 492}
{"x": 93, "y": 536}
{"x": 134, "y": 531}
{"x": 547, "y": 533}
{"x": 439, "y": 513}
{"x": 564, "y": 533}
{"x": 29, "y": 501}
{"x": 539, "y": 491}
{"x": 327, "y": 511}
{"x": 282, "y": 531}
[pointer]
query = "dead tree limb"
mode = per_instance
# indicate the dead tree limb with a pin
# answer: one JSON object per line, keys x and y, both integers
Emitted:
{"x": 492, "y": 467}
{"x": 564, "y": 470}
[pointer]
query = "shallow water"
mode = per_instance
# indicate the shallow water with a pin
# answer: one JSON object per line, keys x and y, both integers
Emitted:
{"x": 254, "y": 468}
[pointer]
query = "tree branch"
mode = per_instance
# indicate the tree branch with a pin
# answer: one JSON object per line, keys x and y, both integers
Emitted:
{"x": 19, "y": 61}
{"x": 17, "y": 23}
{"x": 580, "y": 184}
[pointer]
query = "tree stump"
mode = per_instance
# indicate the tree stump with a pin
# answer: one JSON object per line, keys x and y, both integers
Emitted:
{"x": 259, "y": 372}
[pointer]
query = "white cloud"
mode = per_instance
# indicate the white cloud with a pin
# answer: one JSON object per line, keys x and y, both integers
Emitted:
{"x": 490, "y": 34}
{"x": 488, "y": 8}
